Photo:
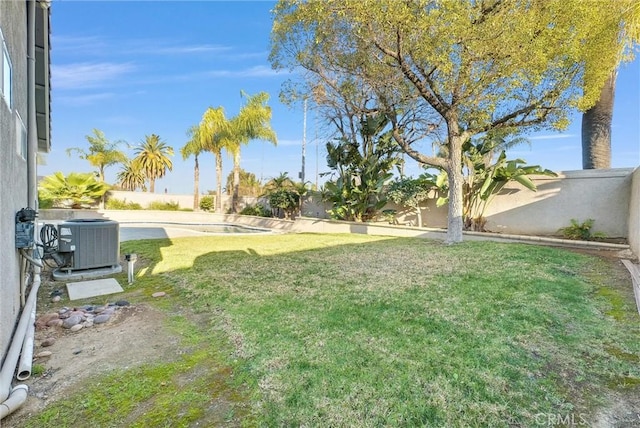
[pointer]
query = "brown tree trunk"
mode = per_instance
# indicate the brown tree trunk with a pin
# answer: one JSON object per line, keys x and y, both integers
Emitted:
{"x": 596, "y": 129}
{"x": 236, "y": 182}
{"x": 454, "y": 172}
{"x": 218, "y": 205}
{"x": 196, "y": 185}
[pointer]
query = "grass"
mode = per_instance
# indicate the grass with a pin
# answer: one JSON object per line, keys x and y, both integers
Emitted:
{"x": 343, "y": 330}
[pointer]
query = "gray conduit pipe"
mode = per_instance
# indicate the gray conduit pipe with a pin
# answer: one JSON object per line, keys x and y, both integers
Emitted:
{"x": 26, "y": 356}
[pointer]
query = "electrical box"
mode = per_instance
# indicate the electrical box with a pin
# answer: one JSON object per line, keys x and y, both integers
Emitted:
{"x": 93, "y": 243}
{"x": 25, "y": 228}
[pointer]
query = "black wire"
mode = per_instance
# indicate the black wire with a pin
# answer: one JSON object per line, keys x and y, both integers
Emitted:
{"x": 49, "y": 238}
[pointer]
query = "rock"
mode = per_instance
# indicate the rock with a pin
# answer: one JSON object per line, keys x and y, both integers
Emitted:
{"x": 71, "y": 321}
{"x": 76, "y": 327}
{"x": 43, "y": 354}
{"x": 55, "y": 323}
{"x": 88, "y": 323}
{"x": 44, "y": 319}
{"x": 76, "y": 351}
{"x": 77, "y": 312}
{"x": 159, "y": 294}
{"x": 56, "y": 299}
{"x": 122, "y": 303}
{"x": 48, "y": 342}
{"x": 101, "y": 319}
{"x": 99, "y": 309}
{"x": 55, "y": 293}
{"x": 108, "y": 311}
{"x": 63, "y": 310}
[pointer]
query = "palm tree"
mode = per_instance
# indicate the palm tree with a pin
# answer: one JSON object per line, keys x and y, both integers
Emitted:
{"x": 194, "y": 147}
{"x": 622, "y": 31}
{"x": 77, "y": 190}
{"x": 153, "y": 155}
{"x": 101, "y": 153}
{"x": 252, "y": 123}
{"x": 280, "y": 182}
{"x": 131, "y": 176}
{"x": 214, "y": 133}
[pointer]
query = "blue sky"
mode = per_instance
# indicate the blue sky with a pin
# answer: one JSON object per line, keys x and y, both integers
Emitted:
{"x": 132, "y": 69}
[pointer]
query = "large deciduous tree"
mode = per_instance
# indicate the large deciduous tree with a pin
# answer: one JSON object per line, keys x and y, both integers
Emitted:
{"x": 619, "y": 33}
{"x": 476, "y": 66}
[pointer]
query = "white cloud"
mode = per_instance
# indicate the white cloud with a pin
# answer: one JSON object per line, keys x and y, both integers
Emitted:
{"x": 257, "y": 71}
{"x": 83, "y": 100}
{"x": 87, "y": 75}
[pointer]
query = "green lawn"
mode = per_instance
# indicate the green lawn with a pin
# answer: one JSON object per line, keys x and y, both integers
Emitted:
{"x": 354, "y": 330}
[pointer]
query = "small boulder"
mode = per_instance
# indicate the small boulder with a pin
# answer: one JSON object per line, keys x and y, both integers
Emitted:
{"x": 159, "y": 294}
{"x": 122, "y": 303}
{"x": 76, "y": 327}
{"x": 43, "y": 354}
{"x": 101, "y": 319}
{"x": 55, "y": 323}
{"x": 71, "y": 321}
{"x": 48, "y": 342}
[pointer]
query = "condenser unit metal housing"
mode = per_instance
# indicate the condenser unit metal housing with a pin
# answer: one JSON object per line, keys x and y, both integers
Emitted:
{"x": 89, "y": 243}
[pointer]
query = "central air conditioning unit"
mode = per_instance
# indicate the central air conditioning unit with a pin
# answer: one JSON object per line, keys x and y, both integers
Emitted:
{"x": 89, "y": 244}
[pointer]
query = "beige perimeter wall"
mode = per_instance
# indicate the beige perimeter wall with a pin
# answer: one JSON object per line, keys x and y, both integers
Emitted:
{"x": 610, "y": 197}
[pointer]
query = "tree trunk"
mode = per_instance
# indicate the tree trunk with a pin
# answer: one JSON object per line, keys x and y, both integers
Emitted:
{"x": 152, "y": 185}
{"x": 454, "y": 171}
{"x": 218, "y": 206}
{"x": 196, "y": 185}
{"x": 419, "y": 214}
{"x": 236, "y": 181}
{"x": 596, "y": 129}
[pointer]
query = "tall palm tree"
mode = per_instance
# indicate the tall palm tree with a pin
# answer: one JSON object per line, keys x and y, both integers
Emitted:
{"x": 214, "y": 134}
{"x": 194, "y": 147}
{"x": 252, "y": 123}
{"x": 131, "y": 176}
{"x": 101, "y": 153}
{"x": 621, "y": 32}
{"x": 154, "y": 157}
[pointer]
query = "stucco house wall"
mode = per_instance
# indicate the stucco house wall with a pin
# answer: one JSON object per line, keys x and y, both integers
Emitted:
{"x": 20, "y": 138}
{"x": 13, "y": 167}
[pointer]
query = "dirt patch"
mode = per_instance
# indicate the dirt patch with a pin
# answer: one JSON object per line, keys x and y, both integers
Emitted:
{"x": 134, "y": 335}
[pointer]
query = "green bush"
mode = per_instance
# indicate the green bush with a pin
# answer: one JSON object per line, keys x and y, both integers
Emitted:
{"x": 256, "y": 210}
{"x": 122, "y": 204}
{"x": 164, "y": 206}
{"x": 581, "y": 231}
{"x": 207, "y": 203}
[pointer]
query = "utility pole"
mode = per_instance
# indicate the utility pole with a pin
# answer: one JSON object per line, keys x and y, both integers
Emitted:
{"x": 304, "y": 139}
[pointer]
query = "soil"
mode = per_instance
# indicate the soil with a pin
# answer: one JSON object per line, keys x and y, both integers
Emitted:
{"x": 134, "y": 335}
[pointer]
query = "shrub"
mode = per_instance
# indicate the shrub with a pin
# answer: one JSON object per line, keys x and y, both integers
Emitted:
{"x": 122, "y": 204}
{"x": 256, "y": 210}
{"x": 581, "y": 231}
{"x": 164, "y": 206}
{"x": 206, "y": 203}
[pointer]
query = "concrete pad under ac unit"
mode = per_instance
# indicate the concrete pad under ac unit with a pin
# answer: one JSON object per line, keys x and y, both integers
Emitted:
{"x": 96, "y": 287}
